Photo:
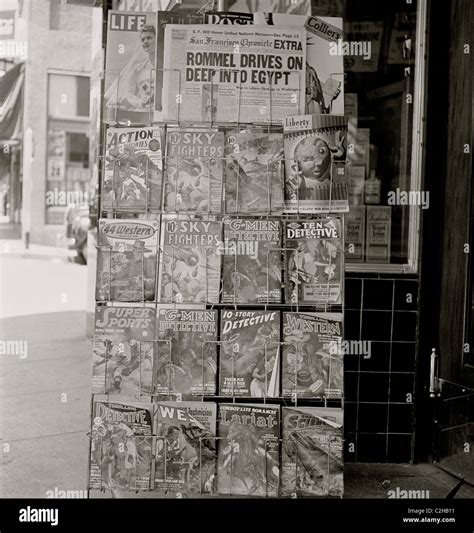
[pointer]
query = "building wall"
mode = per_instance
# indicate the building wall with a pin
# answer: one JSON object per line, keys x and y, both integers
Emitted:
{"x": 65, "y": 49}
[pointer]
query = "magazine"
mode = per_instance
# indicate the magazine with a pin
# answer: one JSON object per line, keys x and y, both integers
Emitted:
{"x": 249, "y": 362}
{"x": 162, "y": 19}
{"x": 239, "y": 75}
{"x": 185, "y": 447}
{"x": 121, "y": 446}
{"x": 191, "y": 262}
{"x": 312, "y": 452}
{"x": 126, "y": 260}
{"x": 133, "y": 172}
{"x": 185, "y": 360}
{"x": 312, "y": 358}
{"x": 123, "y": 350}
{"x": 354, "y": 238}
{"x": 315, "y": 153}
{"x": 324, "y": 91}
{"x": 194, "y": 171}
{"x": 251, "y": 269}
{"x": 248, "y": 462}
{"x": 254, "y": 173}
{"x": 129, "y": 76}
{"x": 379, "y": 227}
{"x": 314, "y": 259}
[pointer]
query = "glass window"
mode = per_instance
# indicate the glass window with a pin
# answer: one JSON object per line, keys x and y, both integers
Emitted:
{"x": 68, "y": 96}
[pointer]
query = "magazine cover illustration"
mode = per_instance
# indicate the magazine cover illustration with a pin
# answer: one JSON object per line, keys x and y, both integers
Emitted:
{"x": 185, "y": 447}
{"x": 249, "y": 449}
{"x": 312, "y": 452}
{"x": 133, "y": 172}
{"x": 251, "y": 269}
{"x": 240, "y": 74}
{"x": 324, "y": 92}
{"x": 121, "y": 449}
{"x": 185, "y": 360}
{"x": 129, "y": 72}
{"x": 250, "y": 356}
{"x": 194, "y": 171}
{"x": 254, "y": 173}
{"x": 191, "y": 262}
{"x": 315, "y": 157}
{"x": 314, "y": 261}
{"x": 312, "y": 358}
{"x": 123, "y": 350}
{"x": 126, "y": 260}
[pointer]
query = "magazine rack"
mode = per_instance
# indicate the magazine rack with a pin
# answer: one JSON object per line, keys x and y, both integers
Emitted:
{"x": 150, "y": 210}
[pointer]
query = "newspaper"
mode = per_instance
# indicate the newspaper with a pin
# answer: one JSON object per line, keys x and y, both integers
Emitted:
{"x": 233, "y": 75}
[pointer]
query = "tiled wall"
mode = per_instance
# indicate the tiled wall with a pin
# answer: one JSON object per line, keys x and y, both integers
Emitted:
{"x": 379, "y": 390}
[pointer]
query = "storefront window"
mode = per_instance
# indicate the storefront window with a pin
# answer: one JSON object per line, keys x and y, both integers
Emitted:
{"x": 384, "y": 75}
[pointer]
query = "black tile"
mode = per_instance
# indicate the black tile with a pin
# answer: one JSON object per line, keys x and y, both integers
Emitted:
{"x": 372, "y": 418}
{"x": 352, "y": 325}
{"x": 353, "y": 293}
{"x": 371, "y": 448}
{"x": 376, "y": 325}
{"x": 350, "y": 447}
{"x": 378, "y": 294}
{"x": 399, "y": 448}
{"x": 350, "y": 416}
{"x": 403, "y": 357}
{"x": 373, "y": 387}
{"x": 404, "y": 326}
{"x": 406, "y": 295}
{"x": 378, "y": 358}
{"x": 400, "y": 418}
{"x": 402, "y": 387}
{"x": 351, "y": 362}
{"x": 458, "y": 410}
{"x": 350, "y": 386}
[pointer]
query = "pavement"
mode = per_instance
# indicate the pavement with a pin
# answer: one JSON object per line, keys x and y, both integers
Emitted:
{"x": 45, "y": 388}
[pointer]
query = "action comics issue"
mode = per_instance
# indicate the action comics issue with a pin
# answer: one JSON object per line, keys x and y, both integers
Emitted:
{"x": 315, "y": 160}
{"x": 186, "y": 353}
{"x": 314, "y": 256}
{"x": 312, "y": 356}
{"x": 126, "y": 260}
{"x": 251, "y": 262}
{"x": 133, "y": 172}
{"x": 129, "y": 73}
{"x": 123, "y": 350}
{"x": 185, "y": 447}
{"x": 248, "y": 450}
{"x": 254, "y": 173}
{"x": 249, "y": 355}
{"x": 121, "y": 450}
{"x": 312, "y": 452}
{"x": 194, "y": 171}
{"x": 191, "y": 262}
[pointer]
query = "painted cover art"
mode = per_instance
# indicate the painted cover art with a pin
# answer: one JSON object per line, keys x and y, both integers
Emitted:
{"x": 121, "y": 448}
{"x": 194, "y": 171}
{"x": 254, "y": 173}
{"x": 129, "y": 72}
{"x": 123, "y": 350}
{"x": 249, "y": 356}
{"x": 133, "y": 172}
{"x": 191, "y": 262}
{"x": 314, "y": 261}
{"x": 126, "y": 260}
{"x": 312, "y": 358}
{"x": 185, "y": 449}
{"x": 315, "y": 157}
{"x": 185, "y": 360}
{"x": 312, "y": 452}
{"x": 249, "y": 448}
{"x": 251, "y": 261}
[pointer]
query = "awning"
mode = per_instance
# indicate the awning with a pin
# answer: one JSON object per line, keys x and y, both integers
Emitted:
{"x": 11, "y": 104}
